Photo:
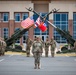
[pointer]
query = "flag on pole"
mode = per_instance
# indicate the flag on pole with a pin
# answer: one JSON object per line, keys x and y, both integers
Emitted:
{"x": 28, "y": 22}
{"x": 41, "y": 25}
{"x": 37, "y": 22}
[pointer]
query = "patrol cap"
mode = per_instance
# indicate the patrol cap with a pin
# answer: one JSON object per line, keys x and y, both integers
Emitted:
{"x": 52, "y": 38}
{"x": 37, "y": 37}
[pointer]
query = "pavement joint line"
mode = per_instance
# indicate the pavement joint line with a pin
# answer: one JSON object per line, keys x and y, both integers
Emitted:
{"x": 1, "y": 60}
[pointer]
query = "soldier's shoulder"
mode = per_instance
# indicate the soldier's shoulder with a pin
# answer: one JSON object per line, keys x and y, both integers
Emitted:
{"x": 34, "y": 42}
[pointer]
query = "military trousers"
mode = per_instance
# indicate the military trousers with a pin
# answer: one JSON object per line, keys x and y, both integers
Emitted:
{"x": 46, "y": 52}
{"x": 52, "y": 52}
{"x": 37, "y": 58}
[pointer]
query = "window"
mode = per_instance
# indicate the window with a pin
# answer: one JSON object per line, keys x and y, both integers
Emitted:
{"x": 17, "y": 17}
{"x": 37, "y": 31}
{"x": 74, "y": 25}
{"x": 5, "y": 33}
{"x": 61, "y": 21}
{"x": 24, "y": 16}
{"x": 18, "y": 41}
{"x": 21, "y": 16}
{"x": 5, "y": 17}
{"x": 57, "y": 18}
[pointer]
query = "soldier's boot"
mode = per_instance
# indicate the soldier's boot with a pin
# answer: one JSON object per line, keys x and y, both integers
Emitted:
{"x": 38, "y": 65}
{"x": 52, "y": 54}
{"x": 28, "y": 54}
{"x": 46, "y": 55}
{"x": 35, "y": 66}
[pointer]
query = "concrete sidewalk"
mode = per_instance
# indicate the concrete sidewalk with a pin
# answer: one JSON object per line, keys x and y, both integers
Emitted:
{"x": 21, "y": 53}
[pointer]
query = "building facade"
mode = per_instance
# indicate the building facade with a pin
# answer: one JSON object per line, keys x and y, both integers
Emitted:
{"x": 12, "y": 12}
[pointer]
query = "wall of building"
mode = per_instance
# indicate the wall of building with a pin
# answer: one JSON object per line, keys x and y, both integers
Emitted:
{"x": 14, "y": 6}
{"x": 11, "y": 7}
{"x": 64, "y": 6}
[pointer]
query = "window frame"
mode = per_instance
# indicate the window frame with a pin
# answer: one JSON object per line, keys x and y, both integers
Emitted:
{"x": 60, "y": 25}
{"x": 24, "y": 15}
{"x": 74, "y": 25}
{"x": 19, "y": 15}
{"x": 7, "y": 16}
{"x": 7, "y": 33}
{"x": 17, "y": 41}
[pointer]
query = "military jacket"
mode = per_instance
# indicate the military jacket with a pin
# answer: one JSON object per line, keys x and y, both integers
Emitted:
{"x": 37, "y": 46}
{"x": 29, "y": 43}
{"x": 53, "y": 43}
{"x": 47, "y": 43}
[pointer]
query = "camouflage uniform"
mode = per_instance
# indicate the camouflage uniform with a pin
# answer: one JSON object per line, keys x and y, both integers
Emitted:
{"x": 37, "y": 51}
{"x": 28, "y": 45}
{"x": 43, "y": 44}
{"x": 2, "y": 46}
{"x": 47, "y": 43}
{"x": 53, "y": 46}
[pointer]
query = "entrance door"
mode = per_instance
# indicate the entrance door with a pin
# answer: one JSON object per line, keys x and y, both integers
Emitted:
{"x": 44, "y": 37}
{"x": 38, "y": 32}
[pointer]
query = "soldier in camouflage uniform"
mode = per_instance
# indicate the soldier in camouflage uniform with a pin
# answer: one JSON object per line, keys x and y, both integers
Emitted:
{"x": 2, "y": 46}
{"x": 37, "y": 49}
{"x": 43, "y": 43}
{"x": 47, "y": 43}
{"x": 28, "y": 45}
{"x": 53, "y": 46}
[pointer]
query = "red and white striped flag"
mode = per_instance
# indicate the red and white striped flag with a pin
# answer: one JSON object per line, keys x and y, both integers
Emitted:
{"x": 27, "y": 23}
